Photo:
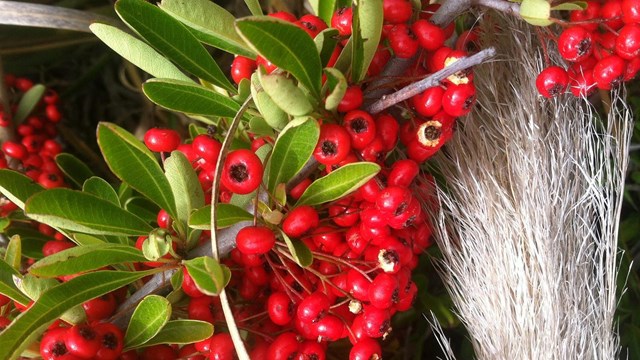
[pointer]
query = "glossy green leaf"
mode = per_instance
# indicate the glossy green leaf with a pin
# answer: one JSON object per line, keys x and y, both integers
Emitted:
{"x": 576, "y": 5}
{"x": 134, "y": 164}
{"x": 28, "y": 103}
{"x": 338, "y": 183}
{"x": 85, "y": 258}
{"x": 142, "y": 208}
{"x": 7, "y": 285}
{"x": 366, "y": 33}
{"x": 189, "y": 98}
{"x": 326, "y": 8}
{"x": 259, "y": 127}
{"x": 182, "y": 332}
{"x": 210, "y": 23}
{"x": 185, "y": 186}
{"x": 73, "y": 168}
{"x": 13, "y": 253}
{"x": 88, "y": 240}
{"x": 254, "y": 7}
{"x": 344, "y": 60}
{"x": 337, "y": 87}
{"x": 286, "y": 94}
{"x": 209, "y": 275}
{"x": 101, "y": 188}
{"x": 17, "y": 187}
{"x": 299, "y": 251}
{"x": 34, "y": 287}
{"x": 137, "y": 52}
{"x": 293, "y": 148}
{"x": 227, "y": 215}
{"x": 273, "y": 115}
{"x": 536, "y": 12}
{"x": 27, "y": 327}
{"x": 326, "y": 42}
{"x": 285, "y": 45}
{"x": 173, "y": 39}
{"x": 83, "y": 212}
{"x": 151, "y": 314}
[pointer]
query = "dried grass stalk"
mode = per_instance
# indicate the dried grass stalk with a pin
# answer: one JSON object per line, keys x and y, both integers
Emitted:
{"x": 528, "y": 223}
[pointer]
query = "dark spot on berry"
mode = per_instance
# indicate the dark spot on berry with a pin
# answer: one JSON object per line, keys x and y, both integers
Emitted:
{"x": 401, "y": 209}
{"x": 342, "y": 10}
{"x": 385, "y": 327}
{"x": 391, "y": 257}
{"x": 239, "y": 173}
{"x": 87, "y": 333}
{"x": 556, "y": 89}
{"x": 309, "y": 26}
{"x": 52, "y": 177}
{"x": 329, "y": 148}
{"x": 584, "y": 47}
{"x": 395, "y": 296}
{"x": 468, "y": 103}
{"x": 297, "y": 287}
{"x": 291, "y": 309}
{"x": 432, "y": 133}
{"x": 359, "y": 125}
{"x": 109, "y": 341}
{"x": 313, "y": 357}
{"x": 293, "y": 356}
{"x": 59, "y": 349}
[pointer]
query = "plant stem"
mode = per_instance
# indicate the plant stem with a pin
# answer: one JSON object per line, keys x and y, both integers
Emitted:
{"x": 430, "y": 81}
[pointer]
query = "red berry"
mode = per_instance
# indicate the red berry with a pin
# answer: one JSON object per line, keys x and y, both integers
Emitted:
{"x": 361, "y": 128}
{"x": 161, "y": 140}
{"x": 280, "y": 308}
{"x": 189, "y": 286}
{"x": 53, "y": 346}
{"x": 552, "y": 81}
{"x": 352, "y": 99}
{"x": 242, "y": 172}
{"x": 628, "y": 42}
{"x": 313, "y": 307}
{"x": 221, "y": 347}
{"x": 312, "y": 24}
{"x": 611, "y": 11}
{"x": 586, "y": 18}
{"x": 284, "y": 347}
{"x": 630, "y": 11}
{"x": 582, "y": 83}
{"x": 207, "y": 148}
{"x": 609, "y": 72}
{"x": 575, "y": 43}
{"x": 23, "y": 84}
{"x": 329, "y": 328}
{"x": 403, "y": 41}
{"x": 204, "y": 308}
{"x": 333, "y": 145}
{"x": 111, "y": 341}
{"x": 428, "y": 102}
{"x": 83, "y": 341}
{"x": 377, "y": 322}
{"x": 384, "y": 291}
{"x": 300, "y": 220}
{"x": 365, "y": 349}
{"x": 430, "y": 36}
{"x": 342, "y": 19}
{"x": 15, "y": 150}
{"x": 458, "y": 100}
{"x": 284, "y": 15}
{"x": 159, "y": 352}
{"x": 397, "y": 11}
{"x": 255, "y": 240}
{"x": 312, "y": 350}
{"x": 379, "y": 61}
{"x": 402, "y": 173}
{"x": 100, "y": 308}
{"x": 242, "y": 68}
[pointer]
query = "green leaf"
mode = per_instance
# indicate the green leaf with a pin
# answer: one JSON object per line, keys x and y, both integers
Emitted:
{"x": 189, "y": 98}
{"x": 32, "y": 240}
{"x": 536, "y": 12}
{"x": 227, "y": 215}
{"x": 259, "y": 127}
{"x": 34, "y": 287}
{"x": 326, "y": 42}
{"x": 85, "y": 258}
{"x": 13, "y": 254}
{"x": 142, "y": 208}
{"x": 293, "y": 148}
{"x": 185, "y": 186}
{"x": 101, "y": 188}
{"x": 28, "y": 103}
{"x": 87, "y": 240}
{"x": 173, "y": 39}
{"x": 285, "y": 45}
{"x": 210, "y": 23}
{"x": 134, "y": 164}
{"x": 17, "y": 187}
{"x": 28, "y": 327}
{"x": 286, "y": 94}
{"x": 4, "y": 224}
{"x": 576, "y": 5}
{"x": 182, "y": 332}
{"x": 337, "y": 87}
{"x": 137, "y": 52}
{"x": 209, "y": 276}
{"x": 254, "y": 7}
{"x": 326, "y": 8}
{"x": 83, "y": 212}
{"x": 272, "y": 113}
{"x": 73, "y": 168}
{"x": 366, "y": 33}
{"x": 344, "y": 60}
{"x": 299, "y": 251}
{"x": 7, "y": 285}
{"x": 338, "y": 183}
{"x": 147, "y": 320}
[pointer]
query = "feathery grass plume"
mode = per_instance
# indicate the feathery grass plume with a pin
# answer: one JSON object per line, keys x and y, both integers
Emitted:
{"x": 528, "y": 219}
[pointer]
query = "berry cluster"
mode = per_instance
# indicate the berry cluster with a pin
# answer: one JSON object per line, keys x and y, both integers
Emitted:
{"x": 601, "y": 45}
{"x": 102, "y": 341}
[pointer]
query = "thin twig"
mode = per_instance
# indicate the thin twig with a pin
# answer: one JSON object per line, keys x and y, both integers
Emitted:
{"x": 431, "y": 80}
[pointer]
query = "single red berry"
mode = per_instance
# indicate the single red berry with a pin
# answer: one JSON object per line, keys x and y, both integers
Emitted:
{"x": 408, "y": 298}
{"x": 161, "y": 140}
{"x": 377, "y": 322}
{"x": 358, "y": 285}
{"x": 255, "y": 240}
{"x": 50, "y": 97}
{"x": 366, "y": 349}
{"x": 552, "y": 81}
{"x": 280, "y": 308}
{"x": 387, "y": 129}
{"x": 609, "y": 72}
{"x": 327, "y": 238}
{"x": 15, "y": 150}
{"x": 575, "y": 43}
{"x": 403, "y": 41}
{"x": 334, "y": 144}
{"x": 344, "y": 213}
{"x": 300, "y": 220}
{"x": 221, "y": 347}
{"x": 204, "y": 308}
{"x": 329, "y": 328}
{"x": 284, "y": 15}
{"x": 397, "y": 11}
{"x": 430, "y": 36}
{"x": 458, "y": 100}
{"x": 83, "y": 341}
{"x": 268, "y": 66}
{"x": 50, "y": 180}
{"x": 628, "y": 42}
{"x": 588, "y": 17}
{"x": 312, "y": 24}
{"x": 189, "y": 352}
{"x": 384, "y": 291}
{"x": 435, "y": 60}
{"x": 54, "y": 247}
{"x": 189, "y": 286}
{"x": 100, "y": 308}
{"x": 207, "y": 148}
{"x": 159, "y": 352}
{"x": 313, "y": 307}
{"x": 312, "y": 350}
{"x": 111, "y": 341}
{"x": 582, "y": 82}
{"x": 23, "y": 84}
{"x": 4, "y": 322}
{"x": 342, "y": 20}
{"x": 284, "y": 347}
{"x": 630, "y": 11}
{"x": 53, "y": 346}
{"x": 242, "y": 172}
{"x": 242, "y": 68}
{"x": 402, "y": 173}
{"x": 53, "y": 113}
{"x": 611, "y": 11}
{"x": 428, "y": 102}
{"x": 352, "y": 99}
{"x": 379, "y": 61}
{"x": 299, "y": 189}
{"x": 361, "y": 128}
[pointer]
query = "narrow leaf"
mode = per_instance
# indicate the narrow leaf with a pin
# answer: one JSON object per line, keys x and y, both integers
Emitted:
{"x": 209, "y": 276}
{"x": 101, "y": 188}
{"x": 185, "y": 186}
{"x": 173, "y": 39}
{"x": 326, "y": 43}
{"x": 182, "y": 332}
{"x": 326, "y": 8}
{"x": 73, "y": 168}
{"x": 284, "y": 93}
{"x": 285, "y": 45}
{"x": 189, "y": 98}
{"x": 338, "y": 183}
{"x": 366, "y": 33}
{"x": 134, "y": 164}
{"x": 337, "y": 87}
{"x": 17, "y": 187}
{"x": 7, "y": 284}
{"x": 28, "y": 327}
{"x": 210, "y": 23}
{"x": 254, "y": 7}
{"x": 299, "y": 251}
{"x": 137, "y": 52}
{"x": 227, "y": 215}
{"x": 142, "y": 208}
{"x": 13, "y": 254}
{"x": 28, "y": 103}
{"x": 85, "y": 258}
{"x": 147, "y": 320}
{"x": 273, "y": 115}
{"x": 293, "y": 148}
{"x": 83, "y": 212}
